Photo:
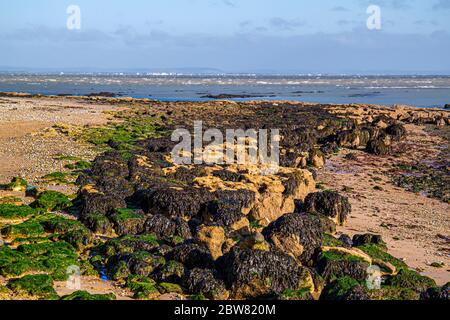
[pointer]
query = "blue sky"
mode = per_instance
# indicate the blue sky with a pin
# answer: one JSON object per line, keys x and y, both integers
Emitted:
{"x": 231, "y": 35}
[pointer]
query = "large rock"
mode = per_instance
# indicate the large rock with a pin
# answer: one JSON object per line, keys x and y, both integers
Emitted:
{"x": 191, "y": 255}
{"x": 335, "y": 264}
{"x": 378, "y": 147}
{"x": 257, "y": 274}
{"x": 174, "y": 202}
{"x": 437, "y": 294}
{"x": 164, "y": 227}
{"x": 207, "y": 283}
{"x": 211, "y": 237}
{"x": 330, "y": 204}
{"x": 298, "y": 235}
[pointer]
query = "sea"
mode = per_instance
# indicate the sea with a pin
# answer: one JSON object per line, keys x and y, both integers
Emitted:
{"x": 415, "y": 90}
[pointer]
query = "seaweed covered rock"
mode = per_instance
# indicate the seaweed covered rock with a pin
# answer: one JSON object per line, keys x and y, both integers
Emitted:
{"x": 344, "y": 289}
{"x": 411, "y": 279}
{"x": 191, "y": 255}
{"x": 393, "y": 293}
{"x": 367, "y": 239}
{"x": 174, "y": 202}
{"x": 98, "y": 223}
{"x": 206, "y": 283}
{"x": 17, "y": 184}
{"x": 251, "y": 274}
{"x": 378, "y": 147}
{"x": 335, "y": 264}
{"x": 34, "y": 286}
{"x": 437, "y": 294}
{"x": 211, "y": 237}
{"x": 396, "y": 131}
{"x": 144, "y": 288}
{"x": 164, "y": 227}
{"x": 13, "y": 212}
{"x": 96, "y": 202}
{"x": 172, "y": 272}
{"x": 228, "y": 209}
{"x": 140, "y": 263}
{"x": 86, "y": 296}
{"x": 128, "y": 221}
{"x": 330, "y": 204}
{"x": 51, "y": 201}
{"x": 299, "y": 235}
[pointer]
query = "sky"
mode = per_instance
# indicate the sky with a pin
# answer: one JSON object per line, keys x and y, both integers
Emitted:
{"x": 265, "y": 36}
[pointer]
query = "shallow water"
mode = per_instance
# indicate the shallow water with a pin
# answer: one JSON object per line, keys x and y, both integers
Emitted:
{"x": 420, "y": 91}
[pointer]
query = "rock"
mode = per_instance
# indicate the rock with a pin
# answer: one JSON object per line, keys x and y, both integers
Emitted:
{"x": 270, "y": 206}
{"x": 51, "y": 201}
{"x": 346, "y": 241}
{"x": 176, "y": 203}
{"x": 225, "y": 213}
{"x": 95, "y": 202}
{"x": 344, "y": 289}
{"x": 316, "y": 158}
{"x": 437, "y": 294}
{"x": 412, "y": 280}
{"x": 327, "y": 225}
{"x": 447, "y": 106}
{"x": 140, "y": 263}
{"x": 368, "y": 238}
{"x": 212, "y": 237}
{"x": 397, "y": 131}
{"x": 299, "y": 235}
{"x": 255, "y": 241}
{"x": 172, "y": 271}
{"x": 17, "y": 184}
{"x": 98, "y": 223}
{"x": 207, "y": 283}
{"x": 164, "y": 227}
{"x": 330, "y": 204}
{"x": 378, "y": 147}
{"x": 32, "y": 192}
{"x": 256, "y": 274}
{"x": 128, "y": 221}
{"x": 336, "y": 264}
{"x": 86, "y": 296}
{"x": 191, "y": 256}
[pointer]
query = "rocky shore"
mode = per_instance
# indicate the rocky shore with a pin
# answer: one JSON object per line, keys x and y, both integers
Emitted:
{"x": 361, "y": 196}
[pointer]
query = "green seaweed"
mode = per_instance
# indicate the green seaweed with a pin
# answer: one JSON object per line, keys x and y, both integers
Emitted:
{"x": 39, "y": 286}
{"x": 16, "y": 184}
{"x": 49, "y": 257}
{"x": 377, "y": 252}
{"x": 142, "y": 287}
{"x": 166, "y": 287}
{"x": 330, "y": 241}
{"x": 300, "y": 294}
{"x": 57, "y": 177}
{"x": 79, "y": 165}
{"x": 338, "y": 289}
{"x": 412, "y": 280}
{"x": 51, "y": 201}
{"x": 86, "y": 296}
{"x": 28, "y": 228}
{"x": 393, "y": 293}
{"x": 10, "y": 211}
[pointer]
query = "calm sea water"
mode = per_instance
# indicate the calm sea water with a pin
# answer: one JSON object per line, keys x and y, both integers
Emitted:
{"x": 420, "y": 91}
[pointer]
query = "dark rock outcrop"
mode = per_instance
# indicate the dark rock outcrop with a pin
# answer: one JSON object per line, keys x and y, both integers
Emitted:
{"x": 330, "y": 204}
